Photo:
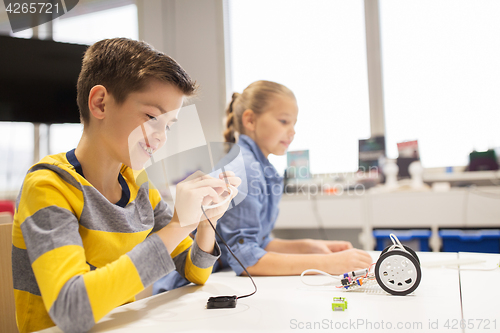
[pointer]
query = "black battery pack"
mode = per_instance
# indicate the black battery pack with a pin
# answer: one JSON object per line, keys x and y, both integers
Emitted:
{"x": 221, "y": 302}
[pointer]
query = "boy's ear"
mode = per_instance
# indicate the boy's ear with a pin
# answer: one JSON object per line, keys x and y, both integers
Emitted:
{"x": 96, "y": 101}
{"x": 248, "y": 120}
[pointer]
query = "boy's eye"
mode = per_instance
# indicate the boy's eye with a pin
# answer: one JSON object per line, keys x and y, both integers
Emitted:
{"x": 283, "y": 122}
{"x": 151, "y": 117}
{"x": 167, "y": 128}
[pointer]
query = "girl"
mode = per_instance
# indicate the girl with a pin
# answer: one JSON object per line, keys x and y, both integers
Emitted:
{"x": 261, "y": 120}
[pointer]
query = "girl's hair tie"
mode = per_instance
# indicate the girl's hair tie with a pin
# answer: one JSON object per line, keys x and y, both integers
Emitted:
{"x": 233, "y": 98}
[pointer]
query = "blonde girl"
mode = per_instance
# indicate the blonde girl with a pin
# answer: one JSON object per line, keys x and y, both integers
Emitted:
{"x": 261, "y": 121}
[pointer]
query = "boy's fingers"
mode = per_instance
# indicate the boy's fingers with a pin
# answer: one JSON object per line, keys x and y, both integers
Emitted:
{"x": 235, "y": 181}
{"x": 194, "y": 176}
{"x": 207, "y": 192}
{"x": 207, "y": 200}
{"x": 209, "y": 182}
{"x": 235, "y": 192}
{"x": 197, "y": 177}
{"x": 226, "y": 174}
{"x": 220, "y": 190}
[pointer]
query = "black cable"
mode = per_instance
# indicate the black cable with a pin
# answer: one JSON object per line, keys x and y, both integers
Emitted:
{"x": 319, "y": 220}
{"x": 239, "y": 262}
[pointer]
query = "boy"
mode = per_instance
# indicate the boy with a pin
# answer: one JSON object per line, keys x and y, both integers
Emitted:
{"x": 87, "y": 234}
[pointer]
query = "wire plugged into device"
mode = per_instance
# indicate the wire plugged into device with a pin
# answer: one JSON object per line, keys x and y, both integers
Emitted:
{"x": 224, "y": 302}
{"x": 397, "y": 271}
{"x": 334, "y": 277}
{"x": 350, "y": 280}
{"x": 396, "y": 244}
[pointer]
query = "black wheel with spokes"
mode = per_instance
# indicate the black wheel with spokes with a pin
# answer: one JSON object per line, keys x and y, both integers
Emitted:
{"x": 398, "y": 272}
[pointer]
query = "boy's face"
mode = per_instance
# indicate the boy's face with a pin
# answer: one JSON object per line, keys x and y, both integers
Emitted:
{"x": 134, "y": 130}
{"x": 275, "y": 128}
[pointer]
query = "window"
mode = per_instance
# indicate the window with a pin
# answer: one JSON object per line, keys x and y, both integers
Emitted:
{"x": 16, "y": 139}
{"x": 28, "y": 33}
{"x": 16, "y": 149}
{"x": 92, "y": 27}
{"x": 317, "y": 49}
{"x": 64, "y": 137}
{"x": 441, "y": 77}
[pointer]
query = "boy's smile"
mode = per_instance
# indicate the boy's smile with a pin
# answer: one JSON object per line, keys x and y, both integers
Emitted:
{"x": 147, "y": 148}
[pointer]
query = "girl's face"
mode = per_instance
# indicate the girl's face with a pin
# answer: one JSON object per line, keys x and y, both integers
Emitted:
{"x": 273, "y": 130}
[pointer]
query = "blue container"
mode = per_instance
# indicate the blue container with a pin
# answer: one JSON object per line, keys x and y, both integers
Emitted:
{"x": 416, "y": 239}
{"x": 484, "y": 240}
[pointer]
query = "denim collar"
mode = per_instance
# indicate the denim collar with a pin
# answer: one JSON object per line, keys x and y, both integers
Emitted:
{"x": 269, "y": 170}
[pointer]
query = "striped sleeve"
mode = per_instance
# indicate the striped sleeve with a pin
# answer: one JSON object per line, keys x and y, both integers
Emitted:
{"x": 191, "y": 262}
{"x": 74, "y": 296}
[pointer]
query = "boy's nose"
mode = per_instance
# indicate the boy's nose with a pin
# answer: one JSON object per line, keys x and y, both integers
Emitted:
{"x": 161, "y": 136}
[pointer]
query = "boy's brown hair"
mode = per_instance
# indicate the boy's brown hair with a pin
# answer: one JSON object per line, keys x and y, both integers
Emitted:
{"x": 123, "y": 66}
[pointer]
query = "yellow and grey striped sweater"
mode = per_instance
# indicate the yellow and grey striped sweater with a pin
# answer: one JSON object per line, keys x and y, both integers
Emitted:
{"x": 76, "y": 256}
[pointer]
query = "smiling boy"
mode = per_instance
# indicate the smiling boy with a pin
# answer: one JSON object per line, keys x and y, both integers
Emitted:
{"x": 88, "y": 235}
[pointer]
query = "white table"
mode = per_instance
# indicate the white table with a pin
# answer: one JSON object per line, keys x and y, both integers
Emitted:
{"x": 480, "y": 288}
{"x": 286, "y": 304}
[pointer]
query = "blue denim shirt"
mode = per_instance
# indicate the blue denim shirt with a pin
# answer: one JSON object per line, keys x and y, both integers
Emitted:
{"x": 247, "y": 227}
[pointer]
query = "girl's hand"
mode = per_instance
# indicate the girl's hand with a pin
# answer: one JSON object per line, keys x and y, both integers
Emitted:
{"x": 336, "y": 246}
{"x": 346, "y": 261}
{"x": 326, "y": 247}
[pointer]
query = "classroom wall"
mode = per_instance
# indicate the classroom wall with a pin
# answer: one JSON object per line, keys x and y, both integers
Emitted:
{"x": 192, "y": 32}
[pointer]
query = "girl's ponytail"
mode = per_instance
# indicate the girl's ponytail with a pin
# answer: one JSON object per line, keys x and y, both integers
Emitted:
{"x": 229, "y": 133}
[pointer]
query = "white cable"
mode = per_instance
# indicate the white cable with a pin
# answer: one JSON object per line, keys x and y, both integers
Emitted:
{"x": 459, "y": 267}
{"x": 335, "y": 277}
{"x": 472, "y": 269}
{"x": 396, "y": 243}
{"x": 222, "y": 202}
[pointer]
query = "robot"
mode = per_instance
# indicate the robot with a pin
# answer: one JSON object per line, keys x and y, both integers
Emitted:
{"x": 398, "y": 270}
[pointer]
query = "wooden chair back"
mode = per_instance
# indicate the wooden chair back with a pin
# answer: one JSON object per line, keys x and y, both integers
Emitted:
{"x": 7, "y": 306}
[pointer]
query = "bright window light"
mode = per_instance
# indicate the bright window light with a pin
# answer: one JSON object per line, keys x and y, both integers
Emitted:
{"x": 318, "y": 49}
{"x": 90, "y": 28}
{"x": 28, "y": 33}
{"x": 16, "y": 139}
{"x": 441, "y": 74}
{"x": 16, "y": 149}
{"x": 64, "y": 137}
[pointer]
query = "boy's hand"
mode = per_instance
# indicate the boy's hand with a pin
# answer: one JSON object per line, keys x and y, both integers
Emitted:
{"x": 216, "y": 213}
{"x": 200, "y": 189}
{"x": 206, "y": 235}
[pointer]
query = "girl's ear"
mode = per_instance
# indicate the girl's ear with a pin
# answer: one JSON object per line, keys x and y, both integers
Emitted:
{"x": 96, "y": 101}
{"x": 248, "y": 120}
